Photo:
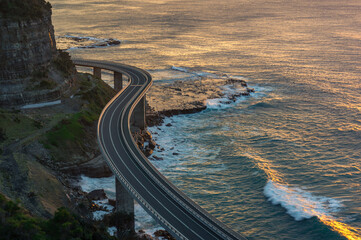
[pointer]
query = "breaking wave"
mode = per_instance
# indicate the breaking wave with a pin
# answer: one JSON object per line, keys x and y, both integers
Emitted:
{"x": 301, "y": 204}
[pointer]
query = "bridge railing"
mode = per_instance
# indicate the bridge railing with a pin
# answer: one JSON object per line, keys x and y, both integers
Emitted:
{"x": 97, "y": 71}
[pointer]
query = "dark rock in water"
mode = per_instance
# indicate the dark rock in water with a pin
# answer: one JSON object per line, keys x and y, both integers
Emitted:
{"x": 245, "y": 93}
{"x": 175, "y": 153}
{"x": 112, "y": 202}
{"x": 169, "y": 113}
{"x": 157, "y": 158}
{"x": 95, "y": 207}
{"x": 250, "y": 90}
{"x": 98, "y": 194}
{"x": 141, "y": 235}
{"x": 147, "y": 135}
{"x": 152, "y": 144}
{"x": 101, "y": 44}
{"x": 77, "y": 39}
{"x": 164, "y": 234}
{"x": 169, "y": 125}
{"x": 148, "y": 151}
{"x": 241, "y": 81}
{"x": 112, "y": 42}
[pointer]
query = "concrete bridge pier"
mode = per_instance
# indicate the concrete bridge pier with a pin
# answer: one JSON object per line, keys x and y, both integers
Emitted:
{"x": 124, "y": 212}
{"x": 124, "y": 208}
{"x": 97, "y": 72}
{"x": 138, "y": 115}
{"x": 118, "y": 81}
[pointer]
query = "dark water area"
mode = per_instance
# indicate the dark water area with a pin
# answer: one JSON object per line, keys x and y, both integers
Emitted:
{"x": 281, "y": 164}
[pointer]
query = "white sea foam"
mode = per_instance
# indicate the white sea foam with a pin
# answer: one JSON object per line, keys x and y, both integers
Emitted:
{"x": 142, "y": 219}
{"x": 99, "y": 215}
{"x": 70, "y": 42}
{"x": 104, "y": 204}
{"x": 299, "y": 203}
{"x": 112, "y": 231}
{"x": 82, "y": 38}
{"x": 180, "y": 69}
{"x": 218, "y": 103}
{"x": 89, "y": 184}
{"x": 222, "y": 103}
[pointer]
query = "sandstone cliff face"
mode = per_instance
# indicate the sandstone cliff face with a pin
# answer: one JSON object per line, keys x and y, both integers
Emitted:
{"x": 26, "y": 50}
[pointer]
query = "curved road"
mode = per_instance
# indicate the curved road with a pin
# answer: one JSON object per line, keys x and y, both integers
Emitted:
{"x": 177, "y": 213}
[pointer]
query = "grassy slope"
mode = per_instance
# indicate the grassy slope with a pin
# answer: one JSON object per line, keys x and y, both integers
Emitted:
{"x": 75, "y": 134}
{"x": 66, "y": 138}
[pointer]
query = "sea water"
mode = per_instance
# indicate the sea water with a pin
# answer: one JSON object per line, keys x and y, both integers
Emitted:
{"x": 283, "y": 163}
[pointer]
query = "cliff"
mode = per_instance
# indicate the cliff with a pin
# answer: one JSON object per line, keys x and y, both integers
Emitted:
{"x": 28, "y": 69}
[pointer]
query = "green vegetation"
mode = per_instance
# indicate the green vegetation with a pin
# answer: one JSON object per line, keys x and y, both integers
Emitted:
{"x": 16, "y": 223}
{"x": 97, "y": 97}
{"x": 24, "y": 10}
{"x": 63, "y": 62}
{"x": 75, "y": 133}
{"x": 16, "y": 126}
{"x": 41, "y": 81}
{"x": 68, "y": 129}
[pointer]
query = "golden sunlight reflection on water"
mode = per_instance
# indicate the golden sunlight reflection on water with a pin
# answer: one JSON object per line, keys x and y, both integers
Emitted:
{"x": 298, "y": 47}
{"x": 351, "y": 233}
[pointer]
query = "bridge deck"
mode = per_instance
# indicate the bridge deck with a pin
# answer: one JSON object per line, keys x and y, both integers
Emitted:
{"x": 177, "y": 213}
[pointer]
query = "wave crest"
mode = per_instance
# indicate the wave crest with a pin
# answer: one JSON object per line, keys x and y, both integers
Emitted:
{"x": 299, "y": 203}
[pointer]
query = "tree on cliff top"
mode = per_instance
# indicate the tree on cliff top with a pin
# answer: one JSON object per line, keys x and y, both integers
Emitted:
{"x": 24, "y": 9}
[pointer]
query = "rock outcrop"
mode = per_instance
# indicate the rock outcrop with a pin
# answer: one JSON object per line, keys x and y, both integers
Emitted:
{"x": 27, "y": 51}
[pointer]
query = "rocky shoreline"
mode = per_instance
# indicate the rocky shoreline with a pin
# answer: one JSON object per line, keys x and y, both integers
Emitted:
{"x": 78, "y": 154}
{"x": 169, "y": 99}
{"x": 186, "y": 97}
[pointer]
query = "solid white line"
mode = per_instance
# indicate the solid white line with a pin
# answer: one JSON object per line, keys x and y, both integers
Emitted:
{"x": 125, "y": 69}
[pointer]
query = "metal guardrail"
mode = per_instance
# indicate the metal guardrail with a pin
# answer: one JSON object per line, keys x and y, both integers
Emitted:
{"x": 218, "y": 229}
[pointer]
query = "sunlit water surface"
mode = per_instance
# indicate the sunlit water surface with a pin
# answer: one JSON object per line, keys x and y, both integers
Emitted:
{"x": 281, "y": 164}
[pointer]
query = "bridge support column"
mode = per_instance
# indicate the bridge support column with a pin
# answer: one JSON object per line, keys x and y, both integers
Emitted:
{"x": 138, "y": 116}
{"x": 97, "y": 72}
{"x": 118, "y": 81}
{"x": 124, "y": 212}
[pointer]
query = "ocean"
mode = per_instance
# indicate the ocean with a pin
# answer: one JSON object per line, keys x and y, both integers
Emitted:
{"x": 283, "y": 163}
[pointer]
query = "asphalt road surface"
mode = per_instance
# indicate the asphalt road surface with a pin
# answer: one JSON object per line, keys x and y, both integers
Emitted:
{"x": 170, "y": 207}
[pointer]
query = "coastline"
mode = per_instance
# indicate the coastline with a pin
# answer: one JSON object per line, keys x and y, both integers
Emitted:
{"x": 191, "y": 96}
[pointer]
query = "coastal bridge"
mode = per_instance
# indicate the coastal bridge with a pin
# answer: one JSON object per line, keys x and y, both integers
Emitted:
{"x": 136, "y": 178}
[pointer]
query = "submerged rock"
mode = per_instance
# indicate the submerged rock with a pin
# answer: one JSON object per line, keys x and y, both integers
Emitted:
{"x": 157, "y": 158}
{"x": 250, "y": 90}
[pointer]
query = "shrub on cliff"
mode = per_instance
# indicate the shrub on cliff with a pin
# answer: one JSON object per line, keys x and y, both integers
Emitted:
{"x": 23, "y": 10}
{"x": 63, "y": 63}
{"x": 15, "y": 223}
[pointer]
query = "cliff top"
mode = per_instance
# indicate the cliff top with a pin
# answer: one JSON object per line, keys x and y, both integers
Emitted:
{"x": 23, "y": 10}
